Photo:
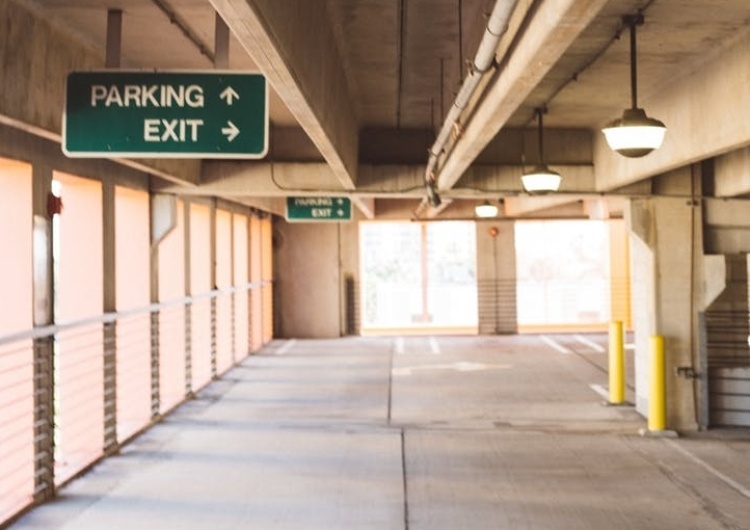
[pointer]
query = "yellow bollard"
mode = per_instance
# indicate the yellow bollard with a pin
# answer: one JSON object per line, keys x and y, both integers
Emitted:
{"x": 616, "y": 364}
{"x": 657, "y": 399}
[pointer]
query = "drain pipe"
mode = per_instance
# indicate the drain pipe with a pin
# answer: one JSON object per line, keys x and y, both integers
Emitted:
{"x": 484, "y": 60}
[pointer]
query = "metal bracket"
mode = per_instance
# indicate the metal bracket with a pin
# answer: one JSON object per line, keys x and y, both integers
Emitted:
{"x": 687, "y": 372}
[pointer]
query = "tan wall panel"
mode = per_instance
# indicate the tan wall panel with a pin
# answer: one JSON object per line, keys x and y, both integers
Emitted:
{"x": 15, "y": 239}
{"x": 200, "y": 284}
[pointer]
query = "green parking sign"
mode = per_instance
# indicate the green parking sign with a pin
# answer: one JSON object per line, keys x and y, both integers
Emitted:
{"x": 166, "y": 114}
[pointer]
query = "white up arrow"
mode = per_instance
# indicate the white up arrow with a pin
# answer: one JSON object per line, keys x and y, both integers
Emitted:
{"x": 231, "y": 131}
{"x": 229, "y": 95}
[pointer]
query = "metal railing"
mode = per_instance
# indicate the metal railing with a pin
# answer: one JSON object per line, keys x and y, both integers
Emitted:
{"x": 74, "y": 392}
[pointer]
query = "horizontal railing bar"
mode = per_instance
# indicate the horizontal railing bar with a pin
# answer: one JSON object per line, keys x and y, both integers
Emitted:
{"x": 111, "y": 317}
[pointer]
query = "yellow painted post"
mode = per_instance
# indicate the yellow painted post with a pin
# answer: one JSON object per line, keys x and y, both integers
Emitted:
{"x": 657, "y": 399}
{"x": 616, "y": 364}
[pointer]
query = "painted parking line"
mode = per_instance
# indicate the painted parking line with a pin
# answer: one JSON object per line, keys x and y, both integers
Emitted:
{"x": 599, "y": 389}
{"x": 288, "y": 345}
{"x": 598, "y": 348}
{"x": 398, "y": 346}
{"x": 434, "y": 346}
{"x": 555, "y": 345}
{"x": 708, "y": 467}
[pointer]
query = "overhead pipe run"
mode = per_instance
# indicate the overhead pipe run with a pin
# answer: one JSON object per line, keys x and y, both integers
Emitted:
{"x": 484, "y": 60}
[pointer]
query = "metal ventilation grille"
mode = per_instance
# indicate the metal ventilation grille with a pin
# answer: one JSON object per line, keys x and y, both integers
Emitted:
{"x": 727, "y": 353}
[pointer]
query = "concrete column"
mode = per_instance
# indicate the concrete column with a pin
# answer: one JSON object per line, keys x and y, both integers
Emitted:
{"x": 496, "y": 278}
{"x": 666, "y": 261}
{"x": 110, "y": 329}
{"x": 44, "y": 359}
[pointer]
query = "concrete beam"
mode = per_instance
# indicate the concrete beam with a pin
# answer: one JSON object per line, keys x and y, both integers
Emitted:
{"x": 293, "y": 45}
{"x": 366, "y": 206}
{"x": 727, "y": 229}
{"x": 701, "y": 115}
{"x": 506, "y": 180}
{"x": 274, "y": 205}
{"x": 520, "y": 206}
{"x": 554, "y": 27}
{"x": 262, "y": 179}
{"x": 732, "y": 173}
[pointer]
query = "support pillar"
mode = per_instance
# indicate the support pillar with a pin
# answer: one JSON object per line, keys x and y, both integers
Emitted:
{"x": 666, "y": 283}
{"x": 496, "y": 278}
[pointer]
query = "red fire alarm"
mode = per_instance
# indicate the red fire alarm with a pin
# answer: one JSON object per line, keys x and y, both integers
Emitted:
{"x": 493, "y": 231}
{"x": 54, "y": 204}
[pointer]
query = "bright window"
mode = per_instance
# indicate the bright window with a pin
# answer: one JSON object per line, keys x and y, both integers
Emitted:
{"x": 563, "y": 273}
{"x": 418, "y": 276}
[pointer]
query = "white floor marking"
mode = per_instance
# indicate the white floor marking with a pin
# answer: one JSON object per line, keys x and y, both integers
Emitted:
{"x": 434, "y": 346}
{"x": 556, "y": 345}
{"x": 599, "y": 389}
{"x": 398, "y": 347}
{"x": 591, "y": 344}
{"x": 288, "y": 345}
{"x": 461, "y": 366}
{"x": 708, "y": 467}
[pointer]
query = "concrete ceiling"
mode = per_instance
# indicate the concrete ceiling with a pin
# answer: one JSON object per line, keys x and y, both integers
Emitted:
{"x": 364, "y": 85}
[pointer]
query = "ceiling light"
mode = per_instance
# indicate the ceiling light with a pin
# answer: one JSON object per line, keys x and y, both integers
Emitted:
{"x": 485, "y": 210}
{"x": 635, "y": 134}
{"x": 541, "y": 179}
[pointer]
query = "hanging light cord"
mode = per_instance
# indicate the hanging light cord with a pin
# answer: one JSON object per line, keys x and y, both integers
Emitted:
{"x": 633, "y": 21}
{"x": 539, "y": 112}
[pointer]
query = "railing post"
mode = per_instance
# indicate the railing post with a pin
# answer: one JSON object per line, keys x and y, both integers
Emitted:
{"x": 214, "y": 332}
{"x": 616, "y": 364}
{"x": 44, "y": 419}
{"x": 155, "y": 367}
{"x": 189, "y": 394}
{"x": 111, "y": 445}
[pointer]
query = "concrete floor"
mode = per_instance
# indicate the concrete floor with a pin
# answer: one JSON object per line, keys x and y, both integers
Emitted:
{"x": 417, "y": 433}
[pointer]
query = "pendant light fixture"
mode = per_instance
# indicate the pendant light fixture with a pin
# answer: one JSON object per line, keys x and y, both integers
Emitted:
{"x": 635, "y": 134}
{"x": 541, "y": 179}
{"x": 486, "y": 210}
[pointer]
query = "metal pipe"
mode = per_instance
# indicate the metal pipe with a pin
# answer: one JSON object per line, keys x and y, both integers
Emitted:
{"x": 114, "y": 38}
{"x": 497, "y": 25}
{"x": 221, "y": 43}
{"x": 483, "y": 61}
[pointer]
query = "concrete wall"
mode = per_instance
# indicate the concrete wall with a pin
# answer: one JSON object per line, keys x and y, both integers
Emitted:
{"x": 311, "y": 261}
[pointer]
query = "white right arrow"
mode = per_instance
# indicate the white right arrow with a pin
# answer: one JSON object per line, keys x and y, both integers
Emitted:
{"x": 231, "y": 131}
